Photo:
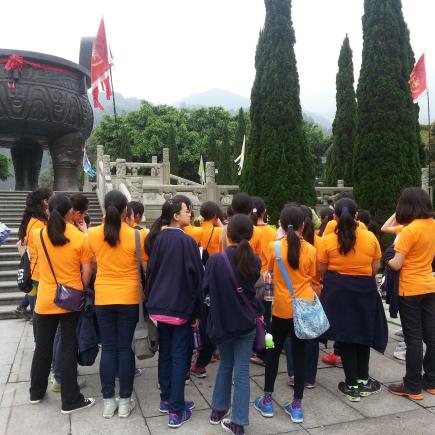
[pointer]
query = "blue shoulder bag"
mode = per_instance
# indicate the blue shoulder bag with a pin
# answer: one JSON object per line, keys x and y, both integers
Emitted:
{"x": 309, "y": 319}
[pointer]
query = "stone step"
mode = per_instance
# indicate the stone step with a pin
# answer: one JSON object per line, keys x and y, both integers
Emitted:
{"x": 8, "y": 276}
{"x": 8, "y": 312}
{"x": 7, "y": 255}
{"x": 9, "y": 264}
{"x": 9, "y": 286}
{"x": 11, "y": 298}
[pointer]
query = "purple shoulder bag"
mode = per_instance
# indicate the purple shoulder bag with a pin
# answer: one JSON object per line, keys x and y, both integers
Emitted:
{"x": 260, "y": 329}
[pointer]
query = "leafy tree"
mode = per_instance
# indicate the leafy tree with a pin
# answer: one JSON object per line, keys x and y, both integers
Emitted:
{"x": 212, "y": 153}
{"x": 387, "y": 153}
{"x": 173, "y": 151}
{"x": 317, "y": 144}
{"x": 4, "y": 167}
{"x": 238, "y": 142}
{"x": 224, "y": 167}
{"x": 278, "y": 164}
{"x": 344, "y": 126}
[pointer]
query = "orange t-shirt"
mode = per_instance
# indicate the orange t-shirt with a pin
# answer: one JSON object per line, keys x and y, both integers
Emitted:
{"x": 117, "y": 275}
{"x": 332, "y": 225}
{"x": 194, "y": 232}
{"x": 214, "y": 241}
{"x": 66, "y": 261}
{"x": 33, "y": 224}
{"x": 417, "y": 244}
{"x": 301, "y": 278}
{"x": 358, "y": 261}
{"x": 268, "y": 235}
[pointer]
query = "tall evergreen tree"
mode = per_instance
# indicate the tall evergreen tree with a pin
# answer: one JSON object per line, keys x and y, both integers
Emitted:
{"x": 173, "y": 151}
{"x": 224, "y": 166}
{"x": 340, "y": 161}
{"x": 238, "y": 141}
{"x": 278, "y": 165}
{"x": 386, "y": 156}
{"x": 212, "y": 154}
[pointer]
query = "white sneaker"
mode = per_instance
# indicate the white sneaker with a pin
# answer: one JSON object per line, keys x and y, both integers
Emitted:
{"x": 401, "y": 345}
{"x": 125, "y": 407}
{"x": 400, "y": 354}
{"x": 109, "y": 407}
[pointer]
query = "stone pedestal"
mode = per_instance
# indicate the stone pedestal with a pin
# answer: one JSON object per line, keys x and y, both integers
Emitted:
{"x": 210, "y": 182}
{"x": 166, "y": 167}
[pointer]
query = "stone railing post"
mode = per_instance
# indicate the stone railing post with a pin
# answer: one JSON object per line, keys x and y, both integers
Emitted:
{"x": 121, "y": 171}
{"x": 106, "y": 164}
{"x": 136, "y": 189}
{"x": 166, "y": 167}
{"x": 210, "y": 183}
{"x": 340, "y": 183}
{"x": 153, "y": 170}
{"x": 100, "y": 153}
{"x": 425, "y": 179}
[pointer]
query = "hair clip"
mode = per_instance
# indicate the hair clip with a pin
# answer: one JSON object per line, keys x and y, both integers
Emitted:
{"x": 290, "y": 227}
{"x": 345, "y": 210}
{"x": 254, "y": 210}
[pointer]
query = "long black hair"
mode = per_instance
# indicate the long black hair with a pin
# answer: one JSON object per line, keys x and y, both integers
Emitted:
{"x": 291, "y": 219}
{"x": 258, "y": 210}
{"x": 326, "y": 215}
{"x": 308, "y": 231}
{"x": 240, "y": 230}
{"x": 58, "y": 207}
{"x": 414, "y": 203}
{"x": 34, "y": 208}
{"x": 169, "y": 208}
{"x": 345, "y": 210}
{"x": 115, "y": 203}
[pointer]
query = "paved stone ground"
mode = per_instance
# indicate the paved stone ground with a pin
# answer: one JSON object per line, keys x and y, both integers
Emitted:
{"x": 326, "y": 412}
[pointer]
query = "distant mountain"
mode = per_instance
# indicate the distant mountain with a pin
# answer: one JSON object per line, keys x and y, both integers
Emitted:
{"x": 215, "y": 97}
{"x": 324, "y": 123}
{"x": 123, "y": 105}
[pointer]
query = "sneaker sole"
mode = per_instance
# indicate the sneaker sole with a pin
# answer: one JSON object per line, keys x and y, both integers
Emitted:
{"x": 367, "y": 394}
{"x": 430, "y": 390}
{"x": 262, "y": 412}
{"x": 350, "y": 398}
{"x": 201, "y": 376}
{"x": 35, "y": 402}
{"x": 294, "y": 420}
{"x": 215, "y": 423}
{"x": 176, "y": 426}
{"x": 409, "y": 396}
{"x": 165, "y": 411}
{"x": 78, "y": 409}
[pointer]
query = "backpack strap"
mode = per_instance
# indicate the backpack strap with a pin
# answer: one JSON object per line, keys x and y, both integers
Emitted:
{"x": 46, "y": 254}
{"x": 284, "y": 272}
{"x": 209, "y": 240}
{"x": 139, "y": 268}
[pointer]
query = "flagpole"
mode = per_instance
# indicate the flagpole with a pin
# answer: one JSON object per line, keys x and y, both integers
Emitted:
{"x": 113, "y": 94}
{"x": 428, "y": 145}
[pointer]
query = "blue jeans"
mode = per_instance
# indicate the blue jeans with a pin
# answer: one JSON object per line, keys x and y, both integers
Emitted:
{"x": 311, "y": 359}
{"x": 57, "y": 356}
{"x": 117, "y": 324}
{"x": 234, "y": 356}
{"x": 175, "y": 346}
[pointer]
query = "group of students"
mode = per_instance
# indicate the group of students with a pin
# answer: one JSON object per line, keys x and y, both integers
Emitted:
{"x": 210, "y": 274}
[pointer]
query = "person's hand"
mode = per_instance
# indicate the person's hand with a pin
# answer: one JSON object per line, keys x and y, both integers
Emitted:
{"x": 195, "y": 323}
{"x": 82, "y": 226}
{"x": 219, "y": 223}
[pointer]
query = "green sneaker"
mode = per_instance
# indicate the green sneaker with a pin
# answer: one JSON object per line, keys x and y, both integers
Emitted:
{"x": 55, "y": 386}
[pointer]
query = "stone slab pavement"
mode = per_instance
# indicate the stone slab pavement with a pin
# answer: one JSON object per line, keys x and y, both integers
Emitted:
{"x": 326, "y": 412}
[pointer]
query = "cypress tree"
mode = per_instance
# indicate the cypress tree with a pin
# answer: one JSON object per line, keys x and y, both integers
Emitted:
{"x": 173, "y": 151}
{"x": 386, "y": 156}
{"x": 224, "y": 167}
{"x": 278, "y": 165}
{"x": 340, "y": 158}
{"x": 212, "y": 149}
{"x": 238, "y": 141}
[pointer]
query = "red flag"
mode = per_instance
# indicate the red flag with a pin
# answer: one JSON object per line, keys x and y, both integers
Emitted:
{"x": 417, "y": 80}
{"x": 100, "y": 66}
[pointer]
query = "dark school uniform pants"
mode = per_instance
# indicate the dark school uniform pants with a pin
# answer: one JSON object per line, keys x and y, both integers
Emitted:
{"x": 417, "y": 314}
{"x": 280, "y": 328}
{"x": 208, "y": 348}
{"x": 175, "y": 346}
{"x": 47, "y": 325}
{"x": 355, "y": 359}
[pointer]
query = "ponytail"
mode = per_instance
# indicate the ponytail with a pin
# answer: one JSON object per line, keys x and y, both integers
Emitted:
{"x": 258, "y": 210}
{"x": 308, "y": 231}
{"x": 326, "y": 215}
{"x": 59, "y": 205}
{"x": 112, "y": 226}
{"x": 292, "y": 219}
{"x": 151, "y": 237}
{"x": 345, "y": 210}
{"x": 115, "y": 203}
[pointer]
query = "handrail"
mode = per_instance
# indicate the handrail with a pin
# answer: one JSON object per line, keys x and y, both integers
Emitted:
{"x": 184, "y": 180}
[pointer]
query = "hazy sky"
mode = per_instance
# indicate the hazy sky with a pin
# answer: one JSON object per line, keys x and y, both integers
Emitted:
{"x": 165, "y": 50}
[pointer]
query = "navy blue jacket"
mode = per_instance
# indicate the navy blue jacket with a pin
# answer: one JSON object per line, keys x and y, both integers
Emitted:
{"x": 228, "y": 317}
{"x": 174, "y": 276}
{"x": 391, "y": 283}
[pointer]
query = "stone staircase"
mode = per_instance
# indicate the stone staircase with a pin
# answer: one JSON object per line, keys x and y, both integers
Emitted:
{"x": 11, "y": 209}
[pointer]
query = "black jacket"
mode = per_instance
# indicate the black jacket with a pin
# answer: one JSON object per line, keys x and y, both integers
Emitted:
{"x": 391, "y": 283}
{"x": 174, "y": 276}
{"x": 228, "y": 317}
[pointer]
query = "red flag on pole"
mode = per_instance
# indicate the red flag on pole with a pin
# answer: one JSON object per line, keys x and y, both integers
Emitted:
{"x": 100, "y": 66}
{"x": 417, "y": 80}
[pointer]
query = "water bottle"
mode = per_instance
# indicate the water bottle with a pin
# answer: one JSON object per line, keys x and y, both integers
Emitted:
{"x": 197, "y": 344}
{"x": 268, "y": 286}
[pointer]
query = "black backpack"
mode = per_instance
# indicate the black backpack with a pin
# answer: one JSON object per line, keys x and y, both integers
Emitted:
{"x": 205, "y": 255}
{"x": 24, "y": 274}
